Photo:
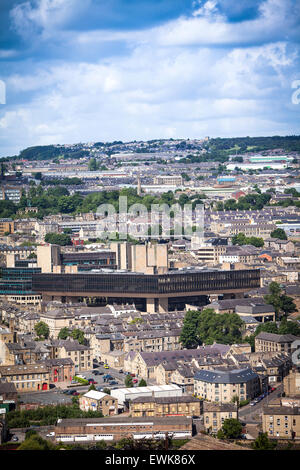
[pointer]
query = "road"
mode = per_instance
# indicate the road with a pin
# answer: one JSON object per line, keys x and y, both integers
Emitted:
{"x": 252, "y": 414}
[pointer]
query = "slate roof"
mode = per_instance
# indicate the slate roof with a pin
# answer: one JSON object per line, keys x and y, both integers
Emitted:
{"x": 226, "y": 376}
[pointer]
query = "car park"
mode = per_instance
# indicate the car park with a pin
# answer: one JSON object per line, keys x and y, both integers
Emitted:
{"x": 107, "y": 377}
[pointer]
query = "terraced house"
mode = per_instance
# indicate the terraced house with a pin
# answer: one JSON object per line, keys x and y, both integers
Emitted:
{"x": 26, "y": 378}
{"x": 166, "y": 406}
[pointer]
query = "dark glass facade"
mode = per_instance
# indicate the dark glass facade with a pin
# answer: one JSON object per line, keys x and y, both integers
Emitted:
{"x": 169, "y": 284}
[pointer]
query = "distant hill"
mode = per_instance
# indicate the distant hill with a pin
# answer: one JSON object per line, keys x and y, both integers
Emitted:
{"x": 289, "y": 143}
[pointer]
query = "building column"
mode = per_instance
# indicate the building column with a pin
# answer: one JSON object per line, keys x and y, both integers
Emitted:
{"x": 163, "y": 305}
{"x": 150, "y": 305}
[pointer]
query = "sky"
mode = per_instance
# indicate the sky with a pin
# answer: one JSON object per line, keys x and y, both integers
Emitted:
{"x": 102, "y": 70}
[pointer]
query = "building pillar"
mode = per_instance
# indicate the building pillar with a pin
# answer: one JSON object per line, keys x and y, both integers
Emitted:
{"x": 163, "y": 305}
{"x": 150, "y": 305}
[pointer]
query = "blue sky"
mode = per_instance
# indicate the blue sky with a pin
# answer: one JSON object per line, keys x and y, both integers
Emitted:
{"x": 91, "y": 70}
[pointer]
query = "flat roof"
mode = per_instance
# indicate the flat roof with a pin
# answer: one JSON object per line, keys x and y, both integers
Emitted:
{"x": 152, "y": 388}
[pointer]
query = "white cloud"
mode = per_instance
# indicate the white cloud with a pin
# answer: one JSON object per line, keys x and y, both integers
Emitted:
{"x": 44, "y": 16}
{"x": 157, "y": 90}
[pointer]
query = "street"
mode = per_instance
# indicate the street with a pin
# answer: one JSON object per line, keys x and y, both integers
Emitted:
{"x": 252, "y": 414}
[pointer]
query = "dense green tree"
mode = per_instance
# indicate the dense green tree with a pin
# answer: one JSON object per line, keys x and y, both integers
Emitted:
{"x": 58, "y": 239}
{"x": 78, "y": 335}
{"x": 262, "y": 442}
{"x": 64, "y": 333}
{"x": 289, "y": 327}
{"x": 279, "y": 233}
{"x": 36, "y": 442}
{"x": 283, "y": 304}
{"x": 142, "y": 383}
{"x": 7, "y": 209}
{"x": 231, "y": 429}
{"x": 207, "y": 327}
{"x": 42, "y": 329}
{"x": 241, "y": 239}
{"x": 189, "y": 337}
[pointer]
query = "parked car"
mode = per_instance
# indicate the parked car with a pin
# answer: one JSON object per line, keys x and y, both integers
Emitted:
{"x": 135, "y": 381}
{"x": 96, "y": 372}
{"x": 112, "y": 382}
{"x": 253, "y": 403}
{"x": 132, "y": 375}
{"x": 106, "y": 366}
{"x": 15, "y": 438}
{"x": 99, "y": 389}
{"x": 92, "y": 381}
{"x": 75, "y": 394}
{"x": 121, "y": 371}
{"x": 51, "y": 434}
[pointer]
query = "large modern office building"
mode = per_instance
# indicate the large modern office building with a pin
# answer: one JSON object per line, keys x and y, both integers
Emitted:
{"x": 150, "y": 292}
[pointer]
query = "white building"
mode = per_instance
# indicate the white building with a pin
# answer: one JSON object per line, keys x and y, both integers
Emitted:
{"x": 125, "y": 394}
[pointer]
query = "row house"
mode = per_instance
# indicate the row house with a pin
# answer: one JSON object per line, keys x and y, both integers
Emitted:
{"x": 26, "y": 378}
{"x": 274, "y": 342}
{"x": 214, "y": 415}
{"x": 185, "y": 405}
{"x": 80, "y": 354}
